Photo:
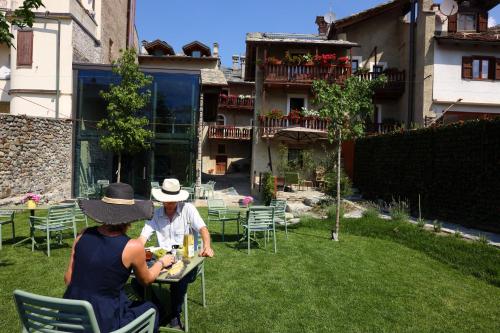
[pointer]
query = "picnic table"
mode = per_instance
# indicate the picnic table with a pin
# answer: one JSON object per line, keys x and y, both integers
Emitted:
{"x": 194, "y": 263}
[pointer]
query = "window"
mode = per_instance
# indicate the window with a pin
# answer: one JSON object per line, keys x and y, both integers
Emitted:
{"x": 355, "y": 65}
{"x": 24, "y": 48}
{"x": 467, "y": 22}
{"x": 296, "y": 102}
{"x": 221, "y": 120}
{"x": 378, "y": 68}
{"x": 479, "y": 68}
{"x": 196, "y": 54}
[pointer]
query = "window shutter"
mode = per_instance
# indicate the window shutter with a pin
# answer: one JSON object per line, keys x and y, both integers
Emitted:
{"x": 482, "y": 25}
{"x": 467, "y": 67}
{"x": 452, "y": 23}
{"x": 24, "y": 48}
{"x": 497, "y": 76}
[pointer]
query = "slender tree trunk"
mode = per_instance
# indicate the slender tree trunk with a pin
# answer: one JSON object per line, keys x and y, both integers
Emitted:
{"x": 118, "y": 172}
{"x": 335, "y": 232}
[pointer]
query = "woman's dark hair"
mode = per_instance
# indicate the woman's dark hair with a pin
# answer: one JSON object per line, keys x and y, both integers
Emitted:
{"x": 118, "y": 227}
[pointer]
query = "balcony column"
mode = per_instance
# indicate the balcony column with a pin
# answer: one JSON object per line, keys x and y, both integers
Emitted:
{"x": 200, "y": 145}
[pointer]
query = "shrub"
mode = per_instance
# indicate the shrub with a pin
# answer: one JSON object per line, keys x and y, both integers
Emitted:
{"x": 399, "y": 210}
{"x": 332, "y": 211}
{"x": 421, "y": 223}
{"x": 345, "y": 184}
{"x": 437, "y": 226}
{"x": 457, "y": 234}
{"x": 372, "y": 212}
{"x": 268, "y": 188}
{"x": 482, "y": 239}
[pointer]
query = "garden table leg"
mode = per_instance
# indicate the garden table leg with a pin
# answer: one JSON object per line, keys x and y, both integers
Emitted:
{"x": 186, "y": 320}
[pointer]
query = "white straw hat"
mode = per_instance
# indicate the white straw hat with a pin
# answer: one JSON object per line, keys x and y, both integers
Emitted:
{"x": 170, "y": 191}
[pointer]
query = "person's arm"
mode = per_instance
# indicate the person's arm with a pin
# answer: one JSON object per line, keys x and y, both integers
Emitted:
{"x": 134, "y": 256}
{"x": 69, "y": 271}
{"x": 207, "y": 250}
{"x": 147, "y": 232}
{"x": 198, "y": 224}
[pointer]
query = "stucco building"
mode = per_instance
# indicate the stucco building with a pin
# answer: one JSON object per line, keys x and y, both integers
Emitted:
{"x": 37, "y": 72}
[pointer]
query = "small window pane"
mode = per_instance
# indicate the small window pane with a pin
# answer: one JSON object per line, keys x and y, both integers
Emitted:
{"x": 475, "y": 69}
{"x": 485, "y": 69}
{"x": 355, "y": 65}
{"x": 221, "y": 120}
{"x": 466, "y": 22}
{"x": 196, "y": 54}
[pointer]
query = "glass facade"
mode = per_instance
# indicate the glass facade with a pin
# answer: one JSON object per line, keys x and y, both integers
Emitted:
{"x": 172, "y": 114}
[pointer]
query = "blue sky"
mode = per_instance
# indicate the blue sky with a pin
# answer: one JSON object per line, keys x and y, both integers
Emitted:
{"x": 227, "y": 21}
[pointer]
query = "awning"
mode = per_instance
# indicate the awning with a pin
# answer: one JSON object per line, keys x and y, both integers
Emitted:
{"x": 301, "y": 134}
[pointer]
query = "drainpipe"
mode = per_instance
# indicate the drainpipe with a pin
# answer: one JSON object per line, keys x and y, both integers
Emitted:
{"x": 411, "y": 74}
{"x": 58, "y": 59}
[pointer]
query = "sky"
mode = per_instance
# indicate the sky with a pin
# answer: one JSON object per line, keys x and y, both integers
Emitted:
{"x": 180, "y": 22}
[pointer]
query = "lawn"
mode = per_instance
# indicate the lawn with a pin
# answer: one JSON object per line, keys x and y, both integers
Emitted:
{"x": 383, "y": 276}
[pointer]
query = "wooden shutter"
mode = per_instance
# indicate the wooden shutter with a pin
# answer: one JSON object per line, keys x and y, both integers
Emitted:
{"x": 24, "y": 48}
{"x": 452, "y": 23}
{"x": 467, "y": 67}
{"x": 482, "y": 20}
{"x": 497, "y": 76}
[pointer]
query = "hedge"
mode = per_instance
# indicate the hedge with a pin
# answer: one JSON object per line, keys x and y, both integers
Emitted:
{"x": 454, "y": 168}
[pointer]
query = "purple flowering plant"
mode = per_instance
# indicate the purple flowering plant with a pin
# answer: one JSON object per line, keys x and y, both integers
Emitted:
{"x": 31, "y": 196}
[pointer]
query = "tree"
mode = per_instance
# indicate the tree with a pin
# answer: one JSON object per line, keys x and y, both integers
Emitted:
{"x": 126, "y": 132}
{"x": 22, "y": 17}
{"x": 347, "y": 108}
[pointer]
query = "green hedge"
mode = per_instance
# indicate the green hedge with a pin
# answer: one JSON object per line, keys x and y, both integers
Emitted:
{"x": 455, "y": 169}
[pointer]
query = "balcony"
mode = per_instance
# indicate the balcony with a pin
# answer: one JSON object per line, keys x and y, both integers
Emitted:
{"x": 269, "y": 126}
{"x": 229, "y": 132}
{"x": 393, "y": 88}
{"x": 236, "y": 102}
{"x": 279, "y": 74}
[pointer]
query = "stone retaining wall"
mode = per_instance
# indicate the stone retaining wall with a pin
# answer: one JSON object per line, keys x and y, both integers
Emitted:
{"x": 35, "y": 155}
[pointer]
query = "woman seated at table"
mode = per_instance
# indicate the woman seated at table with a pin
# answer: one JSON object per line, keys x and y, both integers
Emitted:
{"x": 102, "y": 258}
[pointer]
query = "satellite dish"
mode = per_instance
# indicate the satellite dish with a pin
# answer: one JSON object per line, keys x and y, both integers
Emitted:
{"x": 330, "y": 17}
{"x": 449, "y": 7}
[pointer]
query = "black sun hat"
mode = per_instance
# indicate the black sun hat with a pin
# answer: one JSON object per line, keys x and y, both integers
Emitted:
{"x": 118, "y": 206}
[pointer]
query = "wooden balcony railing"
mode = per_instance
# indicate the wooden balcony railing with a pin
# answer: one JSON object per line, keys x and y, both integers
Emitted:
{"x": 236, "y": 102}
{"x": 393, "y": 88}
{"x": 270, "y": 126}
{"x": 399, "y": 76}
{"x": 305, "y": 74}
{"x": 229, "y": 132}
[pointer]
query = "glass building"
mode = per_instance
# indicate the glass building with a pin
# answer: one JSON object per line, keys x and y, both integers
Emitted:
{"x": 172, "y": 113}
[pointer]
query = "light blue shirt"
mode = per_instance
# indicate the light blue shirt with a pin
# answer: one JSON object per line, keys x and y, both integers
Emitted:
{"x": 171, "y": 232}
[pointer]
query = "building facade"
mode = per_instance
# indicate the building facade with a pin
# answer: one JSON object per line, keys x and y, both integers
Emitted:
{"x": 37, "y": 72}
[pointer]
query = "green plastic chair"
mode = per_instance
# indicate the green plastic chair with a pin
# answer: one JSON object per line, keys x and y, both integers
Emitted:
{"x": 58, "y": 219}
{"x": 208, "y": 189}
{"x": 260, "y": 219}
{"x": 280, "y": 213}
{"x": 7, "y": 217}
{"x": 49, "y": 314}
{"x": 218, "y": 212}
{"x": 101, "y": 185}
{"x": 190, "y": 190}
{"x": 79, "y": 216}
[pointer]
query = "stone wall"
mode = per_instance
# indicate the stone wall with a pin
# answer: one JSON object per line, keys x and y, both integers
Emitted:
{"x": 35, "y": 155}
{"x": 113, "y": 29}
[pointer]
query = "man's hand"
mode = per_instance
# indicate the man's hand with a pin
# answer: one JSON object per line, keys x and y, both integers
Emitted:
{"x": 207, "y": 252}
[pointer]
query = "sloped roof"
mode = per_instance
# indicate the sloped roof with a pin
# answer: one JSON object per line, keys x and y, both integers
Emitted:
{"x": 489, "y": 37}
{"x": 213, "y": 77}
{"x": 292, "y": 38}
{"x": 197, "y": 46}
{"x": 159, "y": 44}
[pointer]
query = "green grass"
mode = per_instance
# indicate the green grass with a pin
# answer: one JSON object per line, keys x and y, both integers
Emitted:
{"x": 383, "y": 276}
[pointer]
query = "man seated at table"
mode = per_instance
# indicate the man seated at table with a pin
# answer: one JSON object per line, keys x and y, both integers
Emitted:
{"x": 170, "y": 222}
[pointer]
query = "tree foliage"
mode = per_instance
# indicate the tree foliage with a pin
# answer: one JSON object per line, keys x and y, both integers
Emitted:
{"x": 125, "y": 130}
{"x": 22, "y": 17}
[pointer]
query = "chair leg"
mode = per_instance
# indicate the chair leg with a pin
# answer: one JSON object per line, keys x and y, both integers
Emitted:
{"x": 186, "y": 319}
{"x": 48, "y": 243}
{"x": 248, "y": 240}
{"x": 203, "y": 286}
{"x": 286, "y": 229}
{"x": 32, "y": 236}
{"x": 274, "y": 237}
{"x": 0, "y": 236}
{"x": 223, "y": 227}
{"x": 13, "y": 231}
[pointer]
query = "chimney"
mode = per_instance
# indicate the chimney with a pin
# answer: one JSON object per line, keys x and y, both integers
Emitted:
{"x": 243, "y": 60}
{"x": 216, "y": 50}
{"x": 236, "y": 60}
{"x": 322, "y": 25}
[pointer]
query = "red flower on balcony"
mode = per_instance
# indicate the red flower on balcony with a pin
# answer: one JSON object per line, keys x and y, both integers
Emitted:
{"x": 343, "y": 60}
{"x": 325, "y": 59}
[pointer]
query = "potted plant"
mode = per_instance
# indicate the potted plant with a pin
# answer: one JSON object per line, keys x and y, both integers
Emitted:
{"x": 308, "y": 59}
{"x": 273, "y": 61}
{"x": 31, "y": 200}
{"x": 275, "y": 114}
{"x": 343, "y": 61}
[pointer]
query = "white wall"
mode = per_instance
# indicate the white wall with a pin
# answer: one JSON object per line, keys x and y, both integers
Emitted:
{"x": 448, "y": 83}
